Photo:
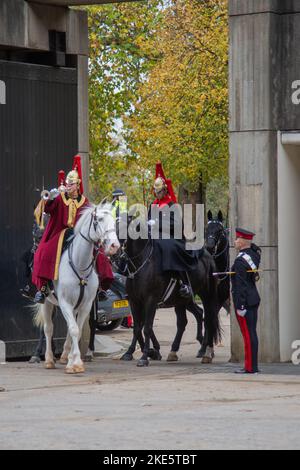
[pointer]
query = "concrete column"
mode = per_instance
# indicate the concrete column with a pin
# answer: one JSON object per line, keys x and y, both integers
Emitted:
{"x": 264, "y": 65}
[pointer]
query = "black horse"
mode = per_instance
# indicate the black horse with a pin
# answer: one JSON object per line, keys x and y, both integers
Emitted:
{"x": 146, "y": 287}
{"x": 217, "y": 243}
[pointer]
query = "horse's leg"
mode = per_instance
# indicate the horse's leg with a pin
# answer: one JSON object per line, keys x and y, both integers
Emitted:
{"x": 91, "y": 348}
{"x": 66, "y": 350}
{"x": 138, "y": 322}
{"x": 211, "y": 328}
{"x": 82, "y": 315}
{"x": 74, "y": 360}
{"x": 198, "y": 314}
{"x": 204, "y": 344}
{"x": 150, "y": 310}
{"x": 154, "y": 353}
{"x": 128, "y": 355}
{"x": 47, "y": 309}
{"x": 181, "y": 321}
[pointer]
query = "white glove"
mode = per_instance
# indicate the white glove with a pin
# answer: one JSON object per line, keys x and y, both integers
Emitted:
{"x": 241, "y": 313}
{"x": 53, "y": 194}
{"x": 151, "y": 222}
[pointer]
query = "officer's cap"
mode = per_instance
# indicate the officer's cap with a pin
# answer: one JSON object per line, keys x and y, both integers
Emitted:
{"x": 241, "y": 233}
{"x": 118, "y": 192}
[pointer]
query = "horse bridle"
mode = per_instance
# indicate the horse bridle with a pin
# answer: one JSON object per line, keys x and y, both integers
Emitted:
{"x": 132, "y": 274}
{"x": 83, "y": 280}
{"x": 95, "y": 222}
{"x": 217, "y": 239}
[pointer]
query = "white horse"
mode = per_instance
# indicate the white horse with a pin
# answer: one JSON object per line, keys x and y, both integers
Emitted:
{"x": 77, "y": 282}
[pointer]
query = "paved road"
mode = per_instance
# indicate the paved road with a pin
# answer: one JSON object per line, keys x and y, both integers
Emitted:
{"x": 183, "y": 405}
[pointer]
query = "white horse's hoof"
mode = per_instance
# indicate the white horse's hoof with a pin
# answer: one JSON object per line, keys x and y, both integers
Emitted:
{"x": 63, "y": 360}
{"x": 74, "y": 370}
{"x": 49, "y": 365}
{"x": 78, "y": 369}
{"x": 172, "y": 357}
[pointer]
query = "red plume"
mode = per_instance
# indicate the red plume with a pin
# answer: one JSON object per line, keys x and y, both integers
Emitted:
{"x": 77, "y": 167}
{"x": 160, "y": 173}
{"x": 61, "y": 178}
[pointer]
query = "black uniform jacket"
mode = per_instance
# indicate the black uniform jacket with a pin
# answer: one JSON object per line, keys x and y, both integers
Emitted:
{"x": 244, "y": 291}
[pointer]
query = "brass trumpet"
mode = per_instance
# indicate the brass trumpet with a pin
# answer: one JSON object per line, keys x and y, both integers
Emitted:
{"x": 45, "y": 194}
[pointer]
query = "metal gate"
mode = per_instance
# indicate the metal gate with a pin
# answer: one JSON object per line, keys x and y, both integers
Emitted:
{"x": 38, "y": 137}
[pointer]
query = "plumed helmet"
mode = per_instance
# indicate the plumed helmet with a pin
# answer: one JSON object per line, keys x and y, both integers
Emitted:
{"x": 159, "y": 184}
{"x": 73, "y": 177}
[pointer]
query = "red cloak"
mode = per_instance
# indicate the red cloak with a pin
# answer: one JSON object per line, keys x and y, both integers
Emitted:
{"x": 104, "y": 270}
{"x": 64, "y": 213}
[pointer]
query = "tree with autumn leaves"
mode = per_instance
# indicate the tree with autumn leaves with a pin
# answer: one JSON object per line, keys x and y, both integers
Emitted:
{"x": 171, "y": 76}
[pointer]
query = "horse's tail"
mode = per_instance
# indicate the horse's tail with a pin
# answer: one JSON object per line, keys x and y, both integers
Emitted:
{"x": 38, "y": 315}
{"x": 214, "y": 319}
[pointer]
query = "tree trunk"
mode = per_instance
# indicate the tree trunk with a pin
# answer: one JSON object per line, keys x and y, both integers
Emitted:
{"x": 192, "y": 197}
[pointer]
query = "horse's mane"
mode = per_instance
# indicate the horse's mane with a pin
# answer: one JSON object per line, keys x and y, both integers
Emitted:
{"x": 87, "y": 211}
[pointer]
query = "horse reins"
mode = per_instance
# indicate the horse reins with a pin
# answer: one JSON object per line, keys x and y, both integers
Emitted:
{"x": 131, "y": 275}
{"x": 97, "y": 245}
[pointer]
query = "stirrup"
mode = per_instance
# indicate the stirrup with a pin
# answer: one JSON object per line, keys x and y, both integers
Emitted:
{"x": 185, "y": 291}
{"x": 40, "y": 297}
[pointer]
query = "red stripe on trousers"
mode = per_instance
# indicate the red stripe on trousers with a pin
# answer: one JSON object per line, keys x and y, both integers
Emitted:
{"x": 247, "y": 342}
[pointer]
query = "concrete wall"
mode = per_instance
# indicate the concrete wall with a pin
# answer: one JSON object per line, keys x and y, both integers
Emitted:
{"x": 288, "y": 240}
{"x": 264, "y": 64}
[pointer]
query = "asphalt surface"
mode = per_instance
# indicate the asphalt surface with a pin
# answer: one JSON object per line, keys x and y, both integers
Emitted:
{"x": 183, "y": 405}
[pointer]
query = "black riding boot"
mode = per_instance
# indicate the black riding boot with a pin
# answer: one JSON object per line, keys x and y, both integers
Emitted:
{"x": 41, "y": 295}
{"x": 185, "y": 289}
{"x": 28, "y": 291}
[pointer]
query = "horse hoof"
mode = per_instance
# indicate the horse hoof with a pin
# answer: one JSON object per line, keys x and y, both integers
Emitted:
{"x": 88, "y": 358}
{"x": 206, "y": 360}
{"x": 142, "y": 363}
{"x": 154, "y": 355}
{"x": 69, "y": 370}
{"x": 158, "y": 356}
{"x": 49, "y": 365}
{"x": 78, "y": 369}
{"x": 63, "y": 360}
{"x": 172, "y": 357}
{"x": 200, "y": 353}
{"x": 126, "y": 357}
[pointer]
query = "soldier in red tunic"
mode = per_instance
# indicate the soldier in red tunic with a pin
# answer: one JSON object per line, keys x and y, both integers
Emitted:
{"x": 174, "y": 256}
{"x": 64, "y": 209}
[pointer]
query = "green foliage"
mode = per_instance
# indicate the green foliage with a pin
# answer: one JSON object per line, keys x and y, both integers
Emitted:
{"x": 182, "y": 112}
{"x": 158, "y": 91}
{"x": 119, "y": 61}
{"x": 217, "y": 196}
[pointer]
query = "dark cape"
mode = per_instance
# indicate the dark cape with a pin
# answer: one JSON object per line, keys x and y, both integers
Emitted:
{"x": 171, "y": 254}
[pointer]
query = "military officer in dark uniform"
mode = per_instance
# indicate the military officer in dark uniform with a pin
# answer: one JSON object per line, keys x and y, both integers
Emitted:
{"x": 245, "y": 295}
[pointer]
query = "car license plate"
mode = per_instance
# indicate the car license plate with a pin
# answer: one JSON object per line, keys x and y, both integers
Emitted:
{"x": 120, "y": 303}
